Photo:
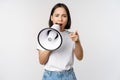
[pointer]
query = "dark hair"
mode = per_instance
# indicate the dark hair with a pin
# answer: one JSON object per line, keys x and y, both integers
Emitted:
{"x": 68, "y": 14}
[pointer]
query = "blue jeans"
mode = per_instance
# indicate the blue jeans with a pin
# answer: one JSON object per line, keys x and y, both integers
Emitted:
{"x": 62, "y": 75}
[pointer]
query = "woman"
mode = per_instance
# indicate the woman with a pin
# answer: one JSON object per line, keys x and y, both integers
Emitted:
{"x": 58, "y": 64}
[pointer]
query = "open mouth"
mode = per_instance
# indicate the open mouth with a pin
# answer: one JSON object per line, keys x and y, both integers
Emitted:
{"x": 59, "y": 24}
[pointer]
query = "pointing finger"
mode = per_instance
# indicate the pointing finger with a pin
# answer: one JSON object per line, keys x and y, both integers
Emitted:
{"x": 76, "y": 32}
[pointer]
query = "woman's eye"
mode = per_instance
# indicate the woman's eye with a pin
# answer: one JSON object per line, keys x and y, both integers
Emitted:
{"x": 65, "y": 16}
{"x": 56, "y": 15}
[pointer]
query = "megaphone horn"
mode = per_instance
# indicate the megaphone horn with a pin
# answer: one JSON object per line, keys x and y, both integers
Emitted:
{"x": 50, "y": 38}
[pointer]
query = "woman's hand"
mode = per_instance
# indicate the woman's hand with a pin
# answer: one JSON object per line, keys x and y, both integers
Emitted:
{"x": 74, "y": 36}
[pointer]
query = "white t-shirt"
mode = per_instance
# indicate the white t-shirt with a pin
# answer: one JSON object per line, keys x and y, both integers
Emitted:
{"x": 62, "y": 58}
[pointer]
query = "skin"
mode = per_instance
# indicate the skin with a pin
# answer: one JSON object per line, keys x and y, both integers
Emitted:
{"x": 60, "y": 17}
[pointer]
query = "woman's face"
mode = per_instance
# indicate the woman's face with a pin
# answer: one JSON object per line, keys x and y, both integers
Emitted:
{"x": 60, "y": 17}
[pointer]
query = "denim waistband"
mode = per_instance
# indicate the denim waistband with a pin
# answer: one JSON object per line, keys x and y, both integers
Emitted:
{"x": 63, "y": 71}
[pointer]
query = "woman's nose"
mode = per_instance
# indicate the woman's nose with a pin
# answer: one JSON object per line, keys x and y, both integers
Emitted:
{"x": 60, "y": 18}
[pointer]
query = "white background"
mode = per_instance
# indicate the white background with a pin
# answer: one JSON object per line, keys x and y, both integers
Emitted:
{"x": 97, "y": 21}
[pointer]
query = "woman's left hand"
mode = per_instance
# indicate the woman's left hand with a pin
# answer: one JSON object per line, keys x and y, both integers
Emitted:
{"x": 74, "y": 36}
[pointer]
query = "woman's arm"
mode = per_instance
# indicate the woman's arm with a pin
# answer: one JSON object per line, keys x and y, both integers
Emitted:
{"x": 78, "y": 48}
{"x": 43, "y": 56}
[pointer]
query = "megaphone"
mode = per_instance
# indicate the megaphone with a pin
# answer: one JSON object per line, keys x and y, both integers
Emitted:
{"x": 50, "y": 38}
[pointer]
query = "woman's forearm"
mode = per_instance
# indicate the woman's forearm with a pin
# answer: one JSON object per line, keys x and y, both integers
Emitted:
{"x": 78, "y": 50}
{"x": 43, "y": 56}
